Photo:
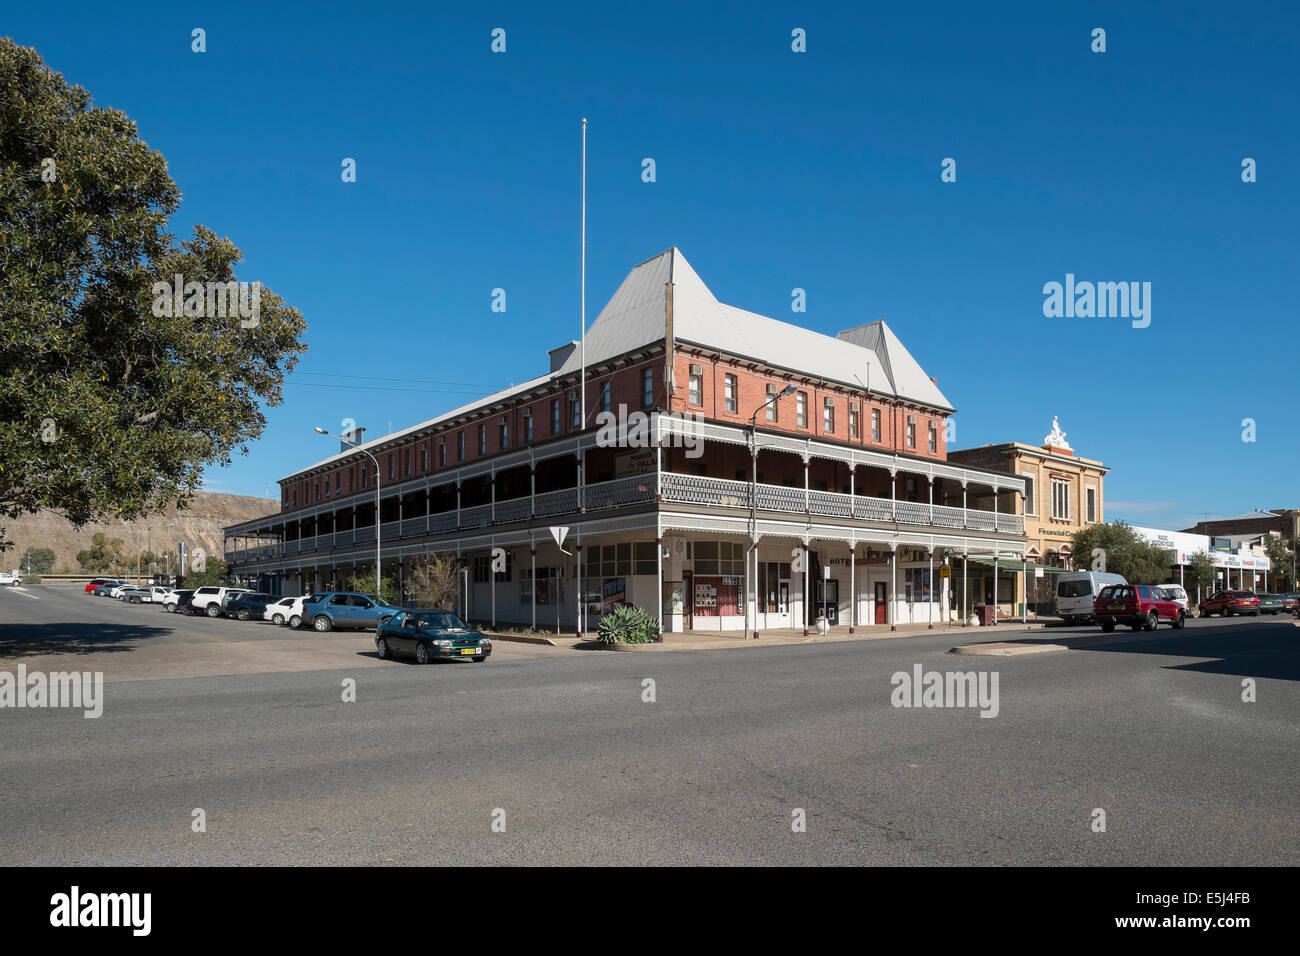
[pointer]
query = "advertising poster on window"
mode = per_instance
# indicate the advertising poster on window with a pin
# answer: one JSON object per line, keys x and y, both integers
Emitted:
{"x": 614, "y": 594}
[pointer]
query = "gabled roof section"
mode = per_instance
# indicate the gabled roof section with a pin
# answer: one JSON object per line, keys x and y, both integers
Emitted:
{"x": 634, "y": 317}
{"x": 906, "y": 377}
{"x": 869, "y": 357}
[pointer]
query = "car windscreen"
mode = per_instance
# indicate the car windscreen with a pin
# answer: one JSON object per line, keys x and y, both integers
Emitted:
{"x": 433, "y": 620}
{"x": 1073, "y": 589}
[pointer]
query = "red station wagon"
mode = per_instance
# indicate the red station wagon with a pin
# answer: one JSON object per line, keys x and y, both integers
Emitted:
{"x": 1229, "y": 603}
{"x": 1140, "y": 606}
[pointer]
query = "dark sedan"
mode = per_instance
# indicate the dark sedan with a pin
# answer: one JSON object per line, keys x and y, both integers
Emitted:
{"x": 252, "y": 604}
{"x": 429, "y": 636}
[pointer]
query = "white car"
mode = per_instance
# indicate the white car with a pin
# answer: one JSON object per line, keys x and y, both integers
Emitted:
{"x": 1177, "y": 595}
{"x": 8, "y": 578}
{"x": 208, "y": 600}
{"x": 117, "y": 589}
{"x": 131, "y": 594}
{"x": 282, "y": 610}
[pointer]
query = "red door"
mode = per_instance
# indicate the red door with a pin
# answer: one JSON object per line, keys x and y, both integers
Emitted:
{"x": 882, "y": 602}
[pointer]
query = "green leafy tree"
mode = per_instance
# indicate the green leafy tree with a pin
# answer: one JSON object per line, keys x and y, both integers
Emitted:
{"x": 214, "y": 573}
{"x": 113, "y": 398}
{"x": 365, "y": 583}
{"x": 104, "y": 556}
{"x": 1115, "y": 547}
{"x": 1279, "y": 555}
{"x": 38, "y": 560}
{"x": 1198, "y": 574}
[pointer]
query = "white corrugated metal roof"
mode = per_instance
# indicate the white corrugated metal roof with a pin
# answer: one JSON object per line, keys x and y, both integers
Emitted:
{"x": 869, "y": 356}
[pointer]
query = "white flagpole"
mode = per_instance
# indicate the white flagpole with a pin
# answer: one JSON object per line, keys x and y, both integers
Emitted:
{"x": 582, "y": 374}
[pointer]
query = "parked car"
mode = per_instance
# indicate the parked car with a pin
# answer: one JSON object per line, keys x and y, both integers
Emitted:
{"x": 10, "y": 578}
{"x": 131, "y": 594}
{"x": 1177, "y": 593}
{"x": 207, "y": 599}
{"x": 1228, "y": 603}
{"x": 1140, "y": 606}
{"x": 248, "y": 605}
{"x": 230, "y": 595}
{"x": 107, "y": 586}
{"x": 95, "y": 583}
{"x": 280, "y": 610}
{"x": 1075, "y": 592}
{"x": 1273, "y": 604}
{"x": 179, "y": 602}
{"x": 430, "y": 635}
{"x": 331, "y": 609}
{"x": 156, "y": 594}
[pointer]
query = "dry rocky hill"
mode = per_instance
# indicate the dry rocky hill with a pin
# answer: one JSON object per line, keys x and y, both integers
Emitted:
{"x": 200, "y": 525}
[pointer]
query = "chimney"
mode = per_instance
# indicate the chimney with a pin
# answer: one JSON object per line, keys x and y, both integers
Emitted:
{"x": 349, "y": 439}
{"x": 561, "y": 355}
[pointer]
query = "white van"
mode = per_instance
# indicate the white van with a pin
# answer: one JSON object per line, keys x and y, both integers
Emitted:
{"x": 1176, "y": 593}
{"x": 1075, "y": 591}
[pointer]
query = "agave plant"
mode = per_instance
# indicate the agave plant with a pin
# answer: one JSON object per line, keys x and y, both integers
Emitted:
{"x": 627, "y": 625}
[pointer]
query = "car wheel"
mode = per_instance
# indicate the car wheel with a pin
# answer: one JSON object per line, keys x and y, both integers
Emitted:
{"x": 422, "y": 654}
{"x": 294, "y": 621}
{"x": 277, "y": 618}
{"x": 1152, "y": 622}
{"x": 242, "y": 614}
{"x": 1181, "y": 621}
{"x": 321, "y": 623}
{"x": 1108, "y": 626}
{"x": 480, "y": 659}
{"x": 214, "y": 611}
{"x": 169, "y": 608}
{"x": 381, "y": 648}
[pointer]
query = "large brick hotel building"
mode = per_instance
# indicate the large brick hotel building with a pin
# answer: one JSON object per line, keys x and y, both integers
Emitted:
{"x": 849, "y": 470}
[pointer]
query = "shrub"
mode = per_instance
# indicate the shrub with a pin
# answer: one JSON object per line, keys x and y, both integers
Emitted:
{"x": 628, "y": 625}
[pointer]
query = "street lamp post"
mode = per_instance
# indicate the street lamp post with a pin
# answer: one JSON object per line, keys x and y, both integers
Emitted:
{"x": 379, "y": 577}
{"x": 753, "y": 503}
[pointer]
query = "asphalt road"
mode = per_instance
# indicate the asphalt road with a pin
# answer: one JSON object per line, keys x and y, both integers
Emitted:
{"x": 1151, "y": 730}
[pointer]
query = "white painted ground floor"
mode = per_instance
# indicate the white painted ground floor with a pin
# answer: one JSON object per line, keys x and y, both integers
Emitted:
{"x": 703, "y": 580}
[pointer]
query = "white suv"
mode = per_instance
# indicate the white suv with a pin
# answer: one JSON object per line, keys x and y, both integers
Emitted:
{"x": 208, "y": 600}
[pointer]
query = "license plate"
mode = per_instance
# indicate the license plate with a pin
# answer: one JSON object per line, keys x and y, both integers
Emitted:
{"x": 469, "y": 650}
{"x": 1115, "y": 607}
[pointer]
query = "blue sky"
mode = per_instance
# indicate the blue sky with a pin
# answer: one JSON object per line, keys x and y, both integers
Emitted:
{"x": 775, "y": 170}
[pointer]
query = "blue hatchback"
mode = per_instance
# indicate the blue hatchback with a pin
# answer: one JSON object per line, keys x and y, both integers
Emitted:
{"x": 327, "y": 610}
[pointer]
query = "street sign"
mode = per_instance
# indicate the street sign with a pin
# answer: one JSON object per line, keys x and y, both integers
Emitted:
{"x": 944, "y": 571}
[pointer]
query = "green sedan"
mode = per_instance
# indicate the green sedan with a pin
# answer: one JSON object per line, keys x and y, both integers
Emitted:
{"x": 429, "y": 636}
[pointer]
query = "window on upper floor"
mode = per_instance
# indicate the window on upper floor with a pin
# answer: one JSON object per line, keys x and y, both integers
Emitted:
{"x": 801, "y": 409}
{"x": 442, "y": 451}
{"x": 911, "y": 431}
{"x": 875, "y": 424}
{"x": 647, "y": 388}
{"x": 934, "y": 437}
{"x": 460, "y": 445}
{"x": 528, "y": 424}
{"x": 503, "y": 433}
{"x": 606, "y": 397}
{"x": 771, "y": 412}
{"x": 482, "y": 440}
{"x": 1090, "y": 496}
{"x": 853, "y": 420}
{"x": 828, "y": 416}
{"x": 1061, "y": 499}
{"x": 1031, "y": 494}
{"x": 696, "y": 385}
{"x": 729, "y": 393}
